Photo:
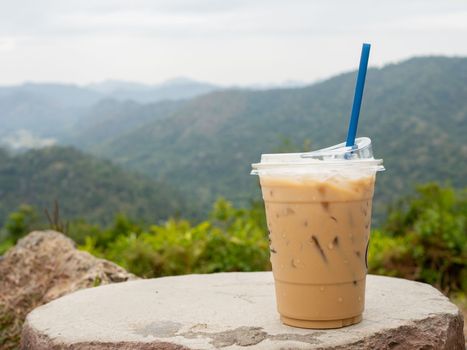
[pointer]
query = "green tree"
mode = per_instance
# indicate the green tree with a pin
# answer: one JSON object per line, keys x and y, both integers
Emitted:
{"x": 21, "y": 222}
{"x": 232, "y": 240}
{"x": 18, "y": 224}
{"x": 425, "y": 238}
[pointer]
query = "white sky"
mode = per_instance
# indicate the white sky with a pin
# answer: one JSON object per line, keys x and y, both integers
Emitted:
{"x": 221, "y": 41}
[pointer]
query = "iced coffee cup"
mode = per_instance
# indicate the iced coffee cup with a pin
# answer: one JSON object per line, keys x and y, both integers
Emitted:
{"x": 318, "y": 209}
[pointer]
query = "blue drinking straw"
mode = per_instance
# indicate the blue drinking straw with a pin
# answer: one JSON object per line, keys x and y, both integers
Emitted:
{"x": 357, "y": 100}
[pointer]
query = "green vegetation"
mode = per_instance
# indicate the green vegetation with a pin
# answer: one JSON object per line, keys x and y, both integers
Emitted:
{"x": 424, "y": 238}
{"x": 415, "y": 112}
{"x": 83, "y": 185}
{"x": 230, "y": 240}
{"x": 18, "y": 223}
{"x": 110, "y": 119}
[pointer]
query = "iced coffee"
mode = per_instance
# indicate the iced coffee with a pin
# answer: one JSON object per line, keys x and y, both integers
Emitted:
{"x": 318, "y": 210}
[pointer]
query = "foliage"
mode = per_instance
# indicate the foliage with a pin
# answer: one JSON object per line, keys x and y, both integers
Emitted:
{"x": 415, "y": 112}
{"x": 234, "y": 240}
{"x": 5, "y": 244}
{"x": 21, "y": 222}
{"x": 18, "y": 224}
{"x": 204, "y": 146}
{"x": 85, "y": 187}
{"x": 425, "y": 238}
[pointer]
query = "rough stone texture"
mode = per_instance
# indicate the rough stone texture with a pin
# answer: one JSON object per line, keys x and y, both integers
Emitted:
{"x": 235, "y": 311}
{"x": 463, "y": 308}
{"x": 43, "y": 266}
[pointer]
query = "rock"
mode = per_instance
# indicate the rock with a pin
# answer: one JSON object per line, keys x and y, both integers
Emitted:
{"x": 43, "y": 266}
{"x": 235, "y": 311}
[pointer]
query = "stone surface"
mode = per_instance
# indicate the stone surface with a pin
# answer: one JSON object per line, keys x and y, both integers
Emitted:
{"x": 43, "y": 266}
{"x": 235, "y": 311}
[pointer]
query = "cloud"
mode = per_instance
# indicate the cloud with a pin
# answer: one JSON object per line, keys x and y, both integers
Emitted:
{"x": 226, "y": 42}
{"x": 49, "y": 17}
{"x": 55, "y": 18}
{"x": 434, "y": 22}
{"x": 7, "y": 43}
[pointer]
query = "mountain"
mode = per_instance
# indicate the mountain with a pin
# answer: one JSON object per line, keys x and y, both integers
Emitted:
{"x": 109, "y": 119}
{"x": 414, "y": 111}
{"x": 174, "y": 89}
{"x": 44, "y": 109}
{"x": 65, "y": 95}
{"x": 58, "y": 111}
{"x": 84, "y": 186}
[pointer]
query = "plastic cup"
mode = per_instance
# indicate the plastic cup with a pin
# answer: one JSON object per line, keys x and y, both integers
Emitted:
{"x": 318, "y": 209}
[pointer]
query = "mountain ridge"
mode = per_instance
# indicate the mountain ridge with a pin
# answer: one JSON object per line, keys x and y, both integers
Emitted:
{"x": 415, "y": 112}
{"x": 207, "y": 146}
{"x": 84, "y": 186}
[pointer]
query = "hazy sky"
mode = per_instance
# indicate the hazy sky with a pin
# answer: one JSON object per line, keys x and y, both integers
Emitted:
{"x": 221, "y": 41}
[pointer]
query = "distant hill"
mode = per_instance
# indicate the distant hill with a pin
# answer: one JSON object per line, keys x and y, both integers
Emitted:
{"x": 415, "y": 112}
{"x": 85, "y": 187}
{"x": 109, "y": 119}
{"x": 58, "y": 110}
{"x": 43, "y": 109}
{"x": 64, "y": 95}
{"x": 174, "y": 89}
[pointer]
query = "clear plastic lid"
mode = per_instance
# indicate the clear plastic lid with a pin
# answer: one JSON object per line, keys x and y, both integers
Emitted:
{"x": 335, "y": 158}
